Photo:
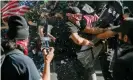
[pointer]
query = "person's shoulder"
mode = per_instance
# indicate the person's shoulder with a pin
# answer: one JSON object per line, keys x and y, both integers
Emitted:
{"x": 23, "y": 65}
{"x": 21, "y": 58}
{"x": 69, "y": 24}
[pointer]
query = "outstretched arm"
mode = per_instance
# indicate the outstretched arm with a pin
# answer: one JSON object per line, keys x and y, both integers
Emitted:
{"x": 106, "y": 34}
{"x": 87, "y": 27}
{"x": 79, "y": 40}
{"x": 94, "y": 30}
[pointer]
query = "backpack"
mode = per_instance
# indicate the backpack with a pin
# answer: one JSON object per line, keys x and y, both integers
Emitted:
{"x": 88, "y": 55}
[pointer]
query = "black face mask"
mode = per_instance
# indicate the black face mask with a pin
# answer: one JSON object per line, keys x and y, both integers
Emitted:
{"x": 120, "y": 42}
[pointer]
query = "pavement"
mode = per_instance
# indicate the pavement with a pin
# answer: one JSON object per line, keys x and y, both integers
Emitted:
{"x": 98, "y": 71}
{"x": 39, "y": 59}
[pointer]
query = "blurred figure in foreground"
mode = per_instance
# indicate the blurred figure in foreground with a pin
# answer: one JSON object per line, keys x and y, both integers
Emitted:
{"x": 14, "y": 64}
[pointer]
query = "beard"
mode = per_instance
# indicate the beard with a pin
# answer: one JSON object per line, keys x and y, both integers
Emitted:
{"x": 121, "y": 42}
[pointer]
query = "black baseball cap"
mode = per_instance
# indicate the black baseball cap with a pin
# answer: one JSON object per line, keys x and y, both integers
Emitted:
{"x": 125, "y": 27}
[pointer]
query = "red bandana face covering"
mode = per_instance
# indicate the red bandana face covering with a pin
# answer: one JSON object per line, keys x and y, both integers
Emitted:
{"x": 76, "y": 17}
{"x": 24, "y": 44}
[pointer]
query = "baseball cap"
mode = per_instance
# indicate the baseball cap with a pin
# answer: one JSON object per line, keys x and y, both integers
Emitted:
{"x": 125, "y": 27}
{"x": 73, "y": 10}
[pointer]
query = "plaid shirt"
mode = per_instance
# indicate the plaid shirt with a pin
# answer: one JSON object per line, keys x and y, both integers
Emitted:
{"x": 90, "y": 19}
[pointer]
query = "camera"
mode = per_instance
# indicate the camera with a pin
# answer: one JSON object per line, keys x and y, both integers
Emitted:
{"x": 45, "y": 39}
{"x": 45, "y": 43}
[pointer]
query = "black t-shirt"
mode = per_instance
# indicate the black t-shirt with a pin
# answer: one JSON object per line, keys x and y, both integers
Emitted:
{"x": 17, "y": 66}
{"x": 42, "y": 21}
{"x": 64, "y": 44}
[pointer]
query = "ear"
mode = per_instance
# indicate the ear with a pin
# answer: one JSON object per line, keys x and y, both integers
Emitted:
{"x": 120, "y": 35}
{"x": 125, "y": 38}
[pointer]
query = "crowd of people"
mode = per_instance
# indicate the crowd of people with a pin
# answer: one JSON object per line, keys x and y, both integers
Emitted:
{"x": 80, "y": 33}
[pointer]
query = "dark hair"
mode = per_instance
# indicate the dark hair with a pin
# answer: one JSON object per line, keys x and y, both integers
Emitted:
{"x": 10, "y": 45}
{"x": 130, "y": 36}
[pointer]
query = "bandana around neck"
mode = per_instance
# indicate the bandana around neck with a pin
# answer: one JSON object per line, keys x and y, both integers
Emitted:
{"x": 24, "y": 44}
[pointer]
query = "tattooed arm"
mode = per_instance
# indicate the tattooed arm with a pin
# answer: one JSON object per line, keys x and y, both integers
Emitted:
{"x": 89, "y": 29}
{"x": 80, "y": 40}
{"x": 94, "y": 30}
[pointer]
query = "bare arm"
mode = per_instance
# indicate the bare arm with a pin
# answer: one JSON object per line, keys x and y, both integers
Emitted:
{"x": 46, "y": 73}
{"x": 52, "y": 37}
{"x": 47, "y": 60}
{"x": 95, "y": 30}
{"x": 79, "y": 40}
{"x": 4, "y": 27}
{"x": 41, "y": 31}
{"x": 106, "y": 34}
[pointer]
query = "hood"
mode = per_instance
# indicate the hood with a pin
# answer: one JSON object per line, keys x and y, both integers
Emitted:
{"x": 126, "y": 48}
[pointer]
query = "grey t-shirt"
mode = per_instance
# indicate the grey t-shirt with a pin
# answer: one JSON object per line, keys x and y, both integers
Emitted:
{"x": 18, "y": 66}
